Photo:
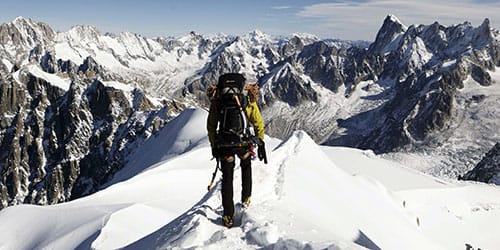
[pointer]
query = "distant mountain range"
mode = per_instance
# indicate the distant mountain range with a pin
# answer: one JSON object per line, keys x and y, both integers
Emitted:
{"x": 74, "y": 104}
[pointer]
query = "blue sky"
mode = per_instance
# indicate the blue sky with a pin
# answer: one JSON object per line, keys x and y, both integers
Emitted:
{"x": 354, "y": 20}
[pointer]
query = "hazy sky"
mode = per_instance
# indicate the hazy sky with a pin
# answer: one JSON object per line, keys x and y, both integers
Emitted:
{"x": 358, "y": 19}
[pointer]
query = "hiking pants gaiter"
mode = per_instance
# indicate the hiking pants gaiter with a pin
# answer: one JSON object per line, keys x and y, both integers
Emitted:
{"x": 227, "y": 166}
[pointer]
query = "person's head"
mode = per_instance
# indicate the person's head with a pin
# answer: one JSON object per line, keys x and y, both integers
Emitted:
{"x": 252, "y": 90}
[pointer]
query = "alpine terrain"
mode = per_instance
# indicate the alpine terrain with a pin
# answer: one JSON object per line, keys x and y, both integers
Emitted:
{"x": 307, "y": 197}
{"x": 113, "y": 127}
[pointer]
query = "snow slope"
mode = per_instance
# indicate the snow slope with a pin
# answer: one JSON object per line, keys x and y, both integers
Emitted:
{"x": 308, "y": 196}
{"x": 135, "y": 57}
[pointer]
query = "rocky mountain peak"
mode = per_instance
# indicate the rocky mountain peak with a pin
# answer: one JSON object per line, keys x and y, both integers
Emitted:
{"x": 390, "y": 30}
{"x": 485, "y": 25}
{"x": 488, "y": 169}
{"x": 306, "y": 38}
{"x": 483, "y": 34}
{"x": 59, "y": 144}
{"x": 257, "y": 36}
{"x": 190, "y": 39}
{"x": 22, "y": 35}
{"x": 20, "y": 21}
{"x": 257, "y": 33}
{"x": 292, "y": 46}
{"x": 26, "y": 23}
{"x": 286, "y": 84}
{"x": 83, "y": 33}
{"x": 393, "y": 20}
{"x": 400, "y": 93}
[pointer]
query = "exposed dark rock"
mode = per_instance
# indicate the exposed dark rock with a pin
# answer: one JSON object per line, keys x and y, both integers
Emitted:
{"x": 425, "y": 89}
{"x": 391, "y": 28}
{"x": 488, "y": 169}
{"x": 480, "y": 75}
{"x": 289, "y": 87}
{"x": 292, "y": 47}
{"x": 58, "y": 144}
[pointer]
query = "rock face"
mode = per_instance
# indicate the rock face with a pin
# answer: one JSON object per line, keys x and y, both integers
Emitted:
{"x": 429, "y": 64}
{"x": 64, "y": 131}
{"x": 419, "y": 69}
{"x": 488, "y": 169}
{"x": 58, "y": 145}
{"x": 75, "y": 103}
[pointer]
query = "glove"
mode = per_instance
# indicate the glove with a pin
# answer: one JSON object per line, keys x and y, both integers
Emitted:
{"x": 261, "y": 151}
{"x": 215, "y": 152}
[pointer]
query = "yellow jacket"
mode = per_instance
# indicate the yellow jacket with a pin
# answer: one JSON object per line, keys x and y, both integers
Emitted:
{"x": 253, "y": 114}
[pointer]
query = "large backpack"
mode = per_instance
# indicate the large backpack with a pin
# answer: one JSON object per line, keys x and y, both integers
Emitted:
{"x": 234, "y": 128}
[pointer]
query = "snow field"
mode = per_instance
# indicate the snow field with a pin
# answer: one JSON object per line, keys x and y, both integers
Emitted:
{"x": 307, "y": 197}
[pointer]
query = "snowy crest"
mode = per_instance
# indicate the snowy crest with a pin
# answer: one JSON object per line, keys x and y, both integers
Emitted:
{"x": 419, "y": 86}
{"x": 388, "y": 35}
{"x": 307, "y": 197}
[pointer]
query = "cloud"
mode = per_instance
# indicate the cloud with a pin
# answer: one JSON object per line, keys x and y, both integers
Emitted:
{"x": 361, "y": 20}
{"x": 280, "y": 7}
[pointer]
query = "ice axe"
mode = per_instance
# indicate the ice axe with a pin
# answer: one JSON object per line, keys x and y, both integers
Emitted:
{"x": 213, "y": 175}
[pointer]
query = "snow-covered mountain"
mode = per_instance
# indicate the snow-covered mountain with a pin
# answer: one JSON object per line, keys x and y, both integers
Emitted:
{"x": 428, "y": 90}
{"x": 445, "y": 98}
{"x": 307, "y": 197}
{"x": 64, "y": 131}
{"x": 59, "y": 144}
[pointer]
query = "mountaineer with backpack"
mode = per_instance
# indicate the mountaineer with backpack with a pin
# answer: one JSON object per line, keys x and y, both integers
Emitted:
{"x": 234, "y": 126}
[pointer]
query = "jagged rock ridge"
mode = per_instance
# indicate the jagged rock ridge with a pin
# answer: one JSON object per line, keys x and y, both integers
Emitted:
{"x": 64, "y": 130}
{"x": 406, "y": 91}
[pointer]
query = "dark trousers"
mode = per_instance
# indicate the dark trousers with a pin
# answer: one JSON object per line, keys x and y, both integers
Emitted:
{"x": 227, "y": 165}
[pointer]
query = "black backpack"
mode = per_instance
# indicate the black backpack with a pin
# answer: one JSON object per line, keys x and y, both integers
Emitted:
{"x": 234, "y": 128}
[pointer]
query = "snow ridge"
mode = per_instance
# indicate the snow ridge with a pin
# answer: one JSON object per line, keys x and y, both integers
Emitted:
{"x": 307, "y": 197}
